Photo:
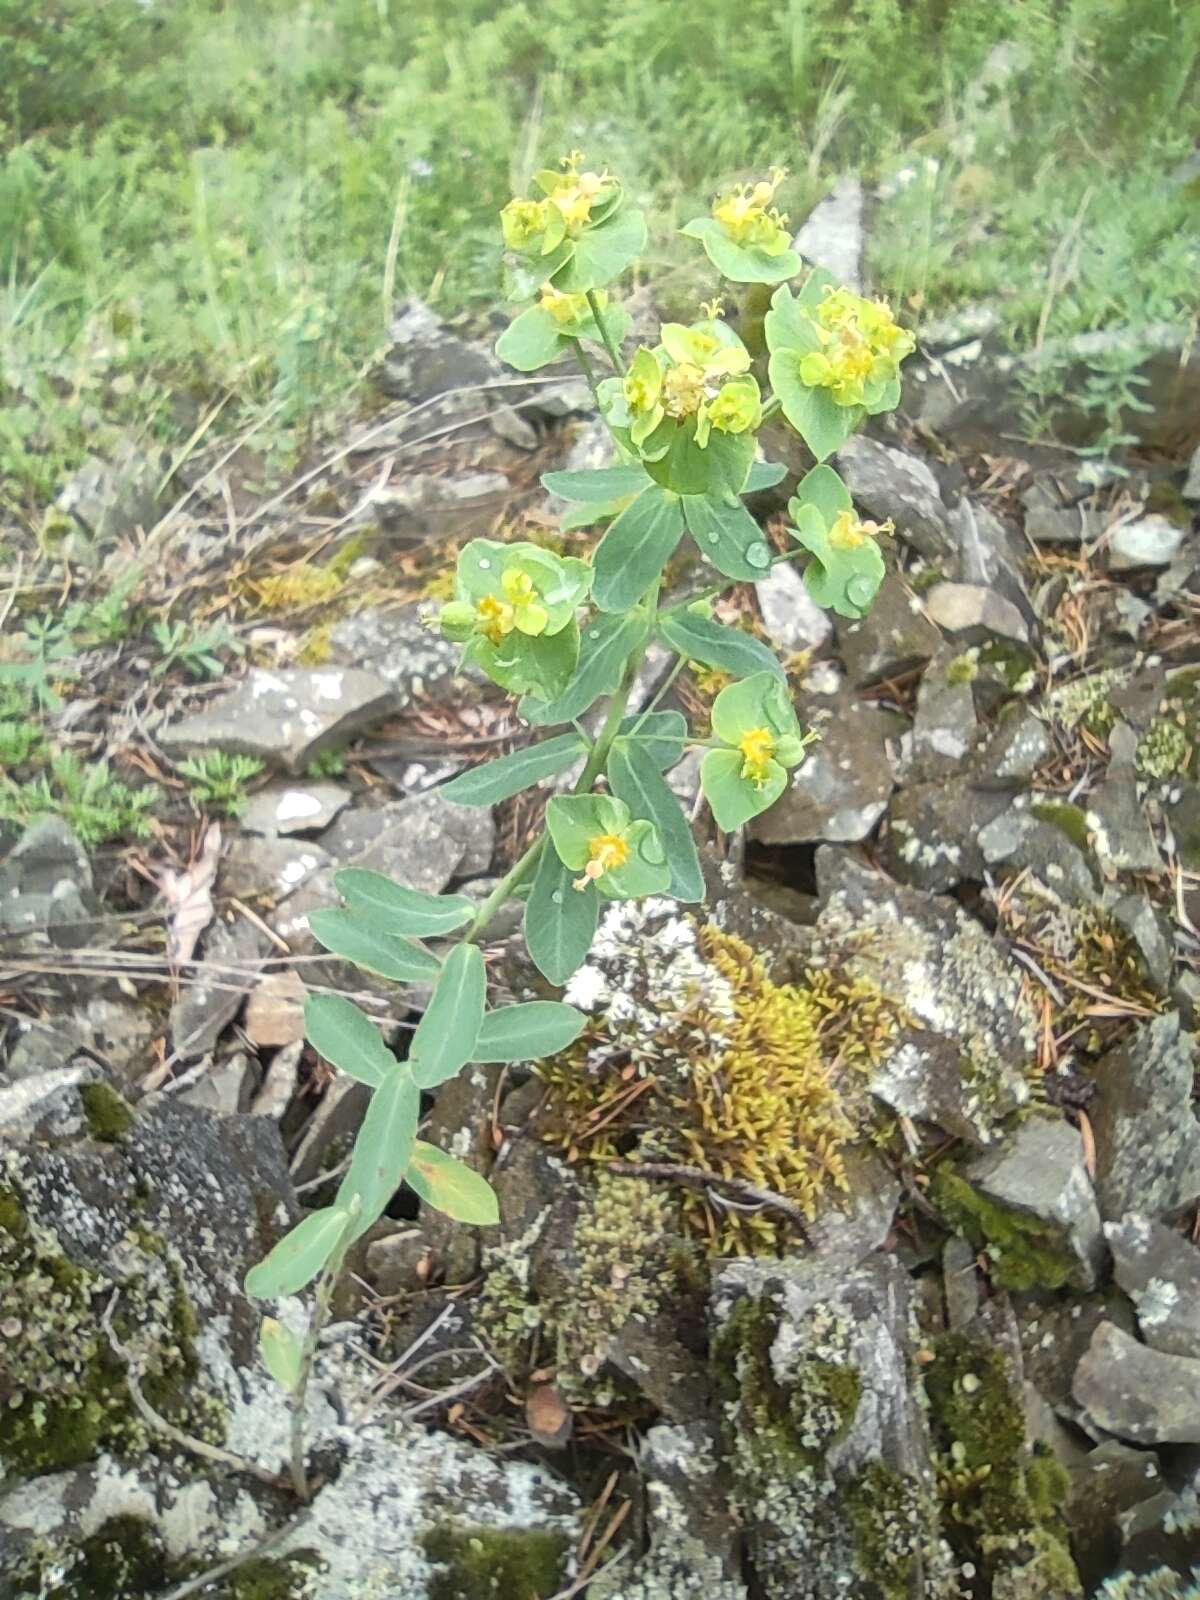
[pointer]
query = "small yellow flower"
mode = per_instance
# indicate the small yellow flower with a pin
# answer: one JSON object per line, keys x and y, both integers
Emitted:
{"x": 577, "y": 192}
{"x": 683, "y": 390}
{"x": 564, "y": 308}
{"x": 860, "y": 343}
{"x": 494, "y": 619}
{"x": 529, "y": 616}
{"x": 605, "y": 851}
{"x": 848, "y": 533}
{"x": 748, "y": 218}
{"x": 523, "y": 222}
{"x": 710, "y": 310}
{"x": 758, "y": 749}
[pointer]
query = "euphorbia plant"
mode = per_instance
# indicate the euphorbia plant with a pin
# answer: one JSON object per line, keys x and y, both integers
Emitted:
{"x": 685, "y": 413}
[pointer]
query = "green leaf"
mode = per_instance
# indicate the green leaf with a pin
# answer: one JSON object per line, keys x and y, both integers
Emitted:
{"x": 761, "y": 700}
{"x": 540, "y": 666}
{"x": 346, "y": 1037}
{"x": 887, "y": 400}
{"x": 636, "y": 780}
{"x": 591, "y": 514}
{"x": 738, "y": 262}
{"x": 659, "y": 733}
{"x": 603, "y": 253}
{"x": 823, "y": 489}
{"x": 508, "y": 775}
{"x": 701, "y": 639}
{"x": 720, "y": 468}
{"x": 399, "y": 959}
{"x": 389, "y": 907}
{"x": 728, "y": 535}
{"x": 732, "y": 798}
{"x": 817, "y": 418}
{"x": 446, "y": 1034}
{"x": 764, "y": 475}
{"x": 574, "y": 820}
{"x": 614, "y": 321}
{"x": 636, "y": 548}
{"x": 281, "y": 1353}
{"x": 560, "y": 922}
{"x": 383, "y": 1148}
{"x": 604, "y": 483}
{"x": 844, "y": 580}
{"x": 451, "y": 1187}
{"x": 531, "y": 340}
{"x": 786, "y": 325}
{"x": 527, "y": 1032}
{"x": 607, "y": 644}
{"x": 299, "y": 1255}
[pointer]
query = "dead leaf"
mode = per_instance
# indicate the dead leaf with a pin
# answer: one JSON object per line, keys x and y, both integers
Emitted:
{"x": 188, "y": 896}
{"x": 1089, "y": 1143}
{"x": 275, "y": 1010}
{"x": 548, "y": 1418}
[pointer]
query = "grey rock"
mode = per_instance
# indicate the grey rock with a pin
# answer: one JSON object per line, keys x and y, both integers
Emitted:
{"x": 331, "y": 1129}
{"x": 841, "y": 789}
{"x": 116, "y": 1033}
{"x": 227, "y": 1087}
{"x": 792, "y": 618}
{"x": 1151, "y": 933}
{"x": 46, "y": 888}
{"x": 508, "y": 424}
{"x": 1131, "y": 614}
{"x": 1110, "y": 1481}
{"x": 892, "y": 638}
{"x": 1159, "y": 1270}
{"x": 268, "y": 869}
{"x": 281, "y": 1082}
{"x": 990, "y": 552}
{"x": 1056, "y": 524}
{"x": 857, "y": 1222}
{"x": 1147, "y": 1135}
{"x": 944, "y": 724}
{"x": 294, "y": 808}
{"x": 47, "y": 1106}
{"x": 886, "y": 482}
{"x": 1137, "y": 1393}
{"x": 437, "y": 830}
{"x": 1150, "y": 541}
{"x": 1191, "y": 486}
{"x": 1018, "y": 745}
{"x": 115, "y": 497}
{"x": 286, "y": 717}
{"x": 233, "y": 953}
{"x": 1020, "y": 841}
{"x": 960, "y": 1283}
{"x": 975, "y": 614}
{"x": 1039, "y": 1173}
{"x": 426, "y": 504}
{"x": 1055, "y": 1335}
{"x": 1121, "y": 834}
{"x": 392, "y": 1261}
{"x": 933, "y": 832}
{"x": 832, "y": 235}
{"x": 428, "y": 363}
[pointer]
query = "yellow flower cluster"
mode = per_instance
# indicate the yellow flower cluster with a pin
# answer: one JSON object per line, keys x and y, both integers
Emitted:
{"x": 747, "y": 216}
{"x": 849, "y": 533}
{"x": 520, "y": 609}
{"x": 758, "y": 748}
{"x": 861, "y": 344}
{"x": 536, "y": 227}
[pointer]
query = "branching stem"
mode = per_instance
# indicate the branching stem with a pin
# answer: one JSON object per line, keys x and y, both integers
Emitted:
{"x": 614, "y": 355}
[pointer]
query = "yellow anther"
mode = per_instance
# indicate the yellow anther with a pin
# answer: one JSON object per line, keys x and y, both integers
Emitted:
{"x": 683, "y": 390}
{"x": 758, "y": 749}
{"x": 496, "y": 620}
{"x": 605, "y": 851}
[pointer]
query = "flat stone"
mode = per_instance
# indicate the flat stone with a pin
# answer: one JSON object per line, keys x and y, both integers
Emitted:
{"x": 232, "y": 955}
{"x": 886, "y": 482}
{"x": 841, "y": 789}
{"x": 1121, "y": 834}
{"x": 1191, "y": 484}
{"x": 975, "y": 614}
{"x": 47, "y": 1106}
{"x": 1147, "y": 1135}
{"x": 1050, "y": 524}
{"x": 832, "y": 234}
{"x": 275, "y": 1010}
{"x": 933, "y": 832}
{"x": 791, "y": 616}
{"x": 265, "y": 869}
{"x": 1018, "y": 745}
{"x": 944, "y": 724}
{"x": 331, "y": 1130}
{"x": 1040, "y": 1173}
{"x": 1159, "y": 1270}
{"x": 1150, "y": 541}
{"x": 1022, "y": 841}
{"x": 1109, "y": 1482}
{"x": 1151, "y": 933}
{"x": 227, "y": 1087}
{"x": 294, "y": 808}
{"x": 115, "y": 497}
{"x": 285, "y": 717}
{"x": 1137, "y": 1393}
{"x": 891, "y": 639}
{"x": 46, "y": 888}
{"x": 414, "y": 660}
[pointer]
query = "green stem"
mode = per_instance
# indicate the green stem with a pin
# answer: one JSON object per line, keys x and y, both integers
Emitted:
{"x": 614, "y": 355}
{"x": 773, "y": 405}
{"x": 308, "y": 1354}
{"x": 521, "y": 869}
{"x": 589, "y": 372}
{"x": 674, "y": 673}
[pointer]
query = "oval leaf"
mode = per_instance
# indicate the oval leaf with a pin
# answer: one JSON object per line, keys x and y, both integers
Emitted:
{"x": 560, "y": 922}
{"x": 528, "y": 1032}
{"x": 660, "y": 733}
{"x": 342, "y": 933}
{"x": 715, "y": 645}
{"x": 636, "y": 548}
{"x": 728, "y": 535}
{"x": 390, "y": 908}
{"x": 601, "y": 484}
{"x": 451, "y": 1187}
{"x": 446, "y": 1034}
{"x": 530, "y": 341}
{"x": 501, "y": 779}
{"x": 741, "y": 263}
{"x": 346, "y": 1037}
{"x": 382, "y": 1149}
{"x": 607, "y": 644}
{"x": 817, "y": 418}
{"x": 281, "y": 1353}
{"x": 299, "y": 1255}
{"x": 635, "y": 778}
{"x": 603, "y": 253}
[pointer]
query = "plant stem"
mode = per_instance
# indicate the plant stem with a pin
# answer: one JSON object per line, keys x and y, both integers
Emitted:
{"x": 308, "y": 1355}
{"x": 614, "y": 355}
{"x": 662, "y": 689}
{"x": 589, "y": 372}
{"x": 521, "y": 869}
{"x": 773, "y": 405}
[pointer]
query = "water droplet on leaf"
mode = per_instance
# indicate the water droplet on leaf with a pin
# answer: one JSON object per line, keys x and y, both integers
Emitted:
{"x": 758, "y": 555}
{"x": 557, "y": 897}
{"x": 484, "y": 562}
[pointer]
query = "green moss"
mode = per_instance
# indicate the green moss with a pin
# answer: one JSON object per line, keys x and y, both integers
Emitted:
{"x": 1068, "y": 819}
{"x": 889, "y": 1514}
{"x": 479, "y": 1563}
{"x": 12, "y": 1216}
{"x": 109, "y": 1117}
{"x": 963, "y": 668}
{"x": 123, "y": 1560}
{"x": 286, "y": 1578}
{"x": 1025, "y": 1252}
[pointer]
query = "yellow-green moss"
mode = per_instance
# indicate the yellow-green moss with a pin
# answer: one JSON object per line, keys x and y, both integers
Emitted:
{"x": 480, "y": 1563}
{"x": 964, "y": 668}
{"x": 123, "y": 1560}
{"x": 1025, "y": 1253}
{"x": 1069, "y": 820}
{"x": 889, "y": 1514}
{"x": 109, "y": 1116}
{"x": 270, "y": 1578}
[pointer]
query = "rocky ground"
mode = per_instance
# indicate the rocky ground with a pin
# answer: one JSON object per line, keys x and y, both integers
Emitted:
{"x": 936, "y": 1331}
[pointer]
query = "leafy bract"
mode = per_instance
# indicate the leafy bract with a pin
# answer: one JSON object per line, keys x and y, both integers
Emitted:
{"x": 636, "y": 548}
{"x": 391, "y": 908}
{"x": 636, "y": 780}
{"x": 741, "y": 263}
{"x": 560, "y": 923}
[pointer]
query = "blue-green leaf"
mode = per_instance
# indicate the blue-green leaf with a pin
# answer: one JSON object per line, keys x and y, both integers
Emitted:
{"x": 602, "y": 484}
{"x": 445, "y": 1037}
{"x": 660, "y": 734}
{"x": 764, "y": 475}
{"x": 508, "y": 775}
{"x": 607, "y": 644}
{"x": 702, "y": 639}
{"x": 728, "y": 535}
{"x": 528, "y": 1032}
{"x": 603, "y": 253}
{"x": 636, "y": 548}
{"x": 346, "y": 1037}
{"x": 634, "y": 778}
{"x": 300, "y": 1254}
{"x": 382, "y": 1149}
{"x": 560, "y": 921}
{"x": 451, "y": 1187}
{"x": 399, "y": 959}
{"x": 391, "y": 908}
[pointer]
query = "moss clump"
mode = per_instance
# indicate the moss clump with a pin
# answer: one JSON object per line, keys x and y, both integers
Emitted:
{"x": 1069, "y": 820}
{"x": 1025, "y": 1252}
{"x": 478, "y": 1563}
{"x": 1085, "y": 702}
{"x": 1170, "y": 746}
{"x": 1160, "y": 1585}
{"x": 1000, "y": 1501}
{"x": 123, "y": 1560}
{"x": 287, "y": 1578}
{"x": 890, "y": 1516}
{"x": 735, "y": 1074}
{"x": 964, "y": 668}
{"x": 296, "y": 587}
{"x": 109, "y": 1116}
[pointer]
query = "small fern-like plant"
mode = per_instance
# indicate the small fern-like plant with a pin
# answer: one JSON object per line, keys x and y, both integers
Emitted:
{"x": 565, "y": 634}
